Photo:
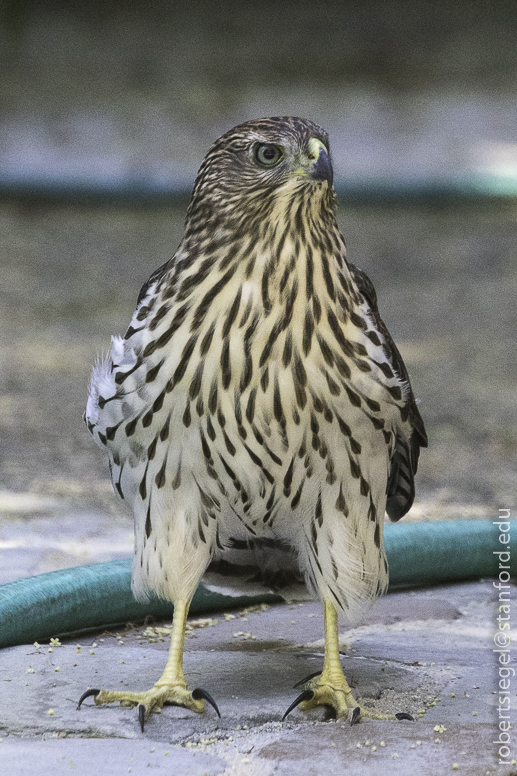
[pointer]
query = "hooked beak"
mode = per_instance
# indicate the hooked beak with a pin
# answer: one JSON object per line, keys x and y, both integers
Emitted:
{"x": 322, "y": 168}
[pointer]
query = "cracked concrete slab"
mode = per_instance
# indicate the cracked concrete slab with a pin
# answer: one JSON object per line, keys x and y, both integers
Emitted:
{"x": 111, "y": 757}
{"x": 427, "y": 652}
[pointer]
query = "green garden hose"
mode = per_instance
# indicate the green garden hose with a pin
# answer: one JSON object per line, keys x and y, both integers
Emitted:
{"x": 99, "y": 595}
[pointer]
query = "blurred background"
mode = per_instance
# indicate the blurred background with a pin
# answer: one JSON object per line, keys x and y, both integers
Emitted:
{"x": 106, "y": 111}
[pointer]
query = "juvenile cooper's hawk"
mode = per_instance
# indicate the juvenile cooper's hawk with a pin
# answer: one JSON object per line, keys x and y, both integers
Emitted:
{"x": 257, "y": 415}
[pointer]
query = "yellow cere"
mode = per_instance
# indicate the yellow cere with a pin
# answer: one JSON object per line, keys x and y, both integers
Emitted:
{"x": 315, "y": 146}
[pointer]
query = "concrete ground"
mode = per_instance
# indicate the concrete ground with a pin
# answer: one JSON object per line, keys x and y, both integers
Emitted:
{"x": 427, "y": 652}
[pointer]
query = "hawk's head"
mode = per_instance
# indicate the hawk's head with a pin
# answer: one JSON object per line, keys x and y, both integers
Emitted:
{"x": 260, "y": 164}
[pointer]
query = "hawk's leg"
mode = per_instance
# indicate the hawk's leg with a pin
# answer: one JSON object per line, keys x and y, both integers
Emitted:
{"x": 330, "y": 688}
{"x": 170, "y": 689}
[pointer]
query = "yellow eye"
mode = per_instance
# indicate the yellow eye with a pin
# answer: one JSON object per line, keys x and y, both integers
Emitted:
{"x": 268, "y": 154}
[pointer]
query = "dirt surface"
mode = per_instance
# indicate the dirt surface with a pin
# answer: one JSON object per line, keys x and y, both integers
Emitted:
{"x": 447, "y": 284}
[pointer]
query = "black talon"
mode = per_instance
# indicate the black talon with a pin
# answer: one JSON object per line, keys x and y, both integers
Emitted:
{"x": 141, "y": 716}
{"x": 85, "y": 695}
{"x": 198, "y": 693}
{"x": 355, "y": 715}
{"x": 404, "y": 715}
{"x": 306, "y": 695}
{"x": 307, "y": 678}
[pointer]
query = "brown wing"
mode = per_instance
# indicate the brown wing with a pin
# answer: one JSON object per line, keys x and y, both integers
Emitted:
{"x": 404, "y": 461}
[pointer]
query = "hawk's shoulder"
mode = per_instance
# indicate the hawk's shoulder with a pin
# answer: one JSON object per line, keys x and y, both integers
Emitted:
{"x": 156, "y": 276}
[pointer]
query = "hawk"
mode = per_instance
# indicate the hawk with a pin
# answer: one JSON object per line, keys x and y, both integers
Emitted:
{"x": 257, "y": 414}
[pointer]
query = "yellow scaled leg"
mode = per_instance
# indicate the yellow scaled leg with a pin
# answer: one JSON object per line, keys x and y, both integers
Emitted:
{"x": 330, "y": 688}
{"x": 170, "y": 689}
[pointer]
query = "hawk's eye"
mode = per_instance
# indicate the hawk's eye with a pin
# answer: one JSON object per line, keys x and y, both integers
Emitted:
{"x": 267, "y": 154}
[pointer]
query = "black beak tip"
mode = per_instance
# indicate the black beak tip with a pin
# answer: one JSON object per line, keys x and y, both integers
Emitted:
{"x": 322, "y": 169}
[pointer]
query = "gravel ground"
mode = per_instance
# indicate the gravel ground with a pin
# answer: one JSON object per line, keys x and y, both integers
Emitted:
{"x": 446, "y": 280}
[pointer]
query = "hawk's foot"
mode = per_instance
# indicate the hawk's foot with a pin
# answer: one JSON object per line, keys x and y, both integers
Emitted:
{"x": 330, "y": 688}
{"x": 170, "y": 689}
{"x": 153, "y": 700}
{"x": 335, "y": 693}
